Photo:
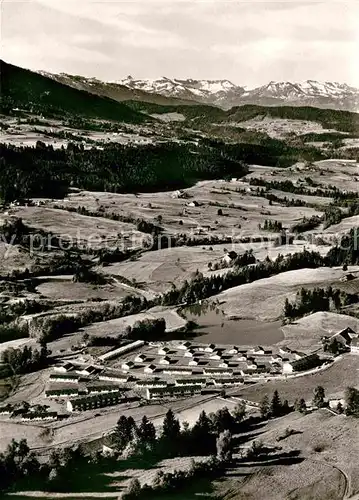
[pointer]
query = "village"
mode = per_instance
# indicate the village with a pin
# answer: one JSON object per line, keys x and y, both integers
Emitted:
{"x": 142, "y": 371}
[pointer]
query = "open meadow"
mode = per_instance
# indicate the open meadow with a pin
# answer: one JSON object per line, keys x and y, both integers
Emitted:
{"x": 327, "y": 466}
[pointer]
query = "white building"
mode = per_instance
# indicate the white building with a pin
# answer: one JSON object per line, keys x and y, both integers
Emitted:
{"x": 149, "y": 369}
{"x": 185, "y": 345}
{"x": 113, "y": 377}
{"x": 241, "y": 357}
{"x": 165, "y": 361}
{"x": 122, "y": 350}
{"x": 163, "y": 350}
{"x": 127, "y": 365}
{"x": 223, "y": 364}
{"x": 285, "y": 350}
{"x": 62, "y": 378}
{"x": 287, "y": 367}
{"x": 210, "y": 348}
{"x": 193, "y": 362}
{"x": 141, "y": 358}
{"x": 333, "y": 403}
{"x": 63, "y": 368}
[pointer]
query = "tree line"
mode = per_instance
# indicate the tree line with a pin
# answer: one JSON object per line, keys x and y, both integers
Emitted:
{"x": 43, "y": 171}
{"x": 318, "y": 299}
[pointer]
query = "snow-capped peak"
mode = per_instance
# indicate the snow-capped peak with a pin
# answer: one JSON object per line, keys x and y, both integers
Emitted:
{"x": 198, "y": 90}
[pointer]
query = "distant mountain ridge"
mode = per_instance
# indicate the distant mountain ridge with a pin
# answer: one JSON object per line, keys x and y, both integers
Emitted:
{"x": 115, "y": 90}
{"x": 221, "y": 93}
{"x": 225, "y": 94}
{"x": 39, "y": 94}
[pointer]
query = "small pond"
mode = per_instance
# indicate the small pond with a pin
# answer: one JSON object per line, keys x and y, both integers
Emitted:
{"x": 214, "y": 326}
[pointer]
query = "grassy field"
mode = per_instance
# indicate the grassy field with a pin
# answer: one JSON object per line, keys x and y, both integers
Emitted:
{"x": 60, "y": 289}
{"x": 329, "y": 466}
{"x": 304, "y": 334}
{"x": 341, "y": 374}
{"x": 93, "y": 231}
{"x": 264, "y": 299}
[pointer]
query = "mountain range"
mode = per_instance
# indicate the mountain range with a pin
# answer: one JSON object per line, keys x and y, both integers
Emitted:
{"x": 69, "y": 96}
{"x": 225, "y": 94}
{"x": 220, "y": 93}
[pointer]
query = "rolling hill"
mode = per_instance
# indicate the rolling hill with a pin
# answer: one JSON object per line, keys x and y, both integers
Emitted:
{"x": 340, "y": 120}
{"x": 38, "y": 94}
{"x": 113, "y": 90}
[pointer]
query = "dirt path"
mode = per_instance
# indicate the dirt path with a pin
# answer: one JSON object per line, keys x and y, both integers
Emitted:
{"x": 346, "y": 476}
{"x": 147, "y": 294}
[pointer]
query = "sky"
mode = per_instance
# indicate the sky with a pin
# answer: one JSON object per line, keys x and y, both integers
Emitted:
{"x": 247, "y": 42}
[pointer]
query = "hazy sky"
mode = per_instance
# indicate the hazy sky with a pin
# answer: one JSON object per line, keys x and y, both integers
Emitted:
{"x": 248, "y": 42}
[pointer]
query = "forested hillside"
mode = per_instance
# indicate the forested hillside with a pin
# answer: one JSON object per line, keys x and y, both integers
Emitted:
{"x": 43, "y": 171}
{"x": 24, "y": 89}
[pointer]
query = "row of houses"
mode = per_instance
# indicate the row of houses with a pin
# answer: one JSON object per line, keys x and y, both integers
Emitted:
{"x": 172, "y": 391}
{"x": 68, "y": 392}
{"x": 36, "y": 417}
{"x": 93, "y": 402}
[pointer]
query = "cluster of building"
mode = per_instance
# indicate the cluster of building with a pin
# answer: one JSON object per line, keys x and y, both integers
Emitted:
{"x": 348, "y": 338}
{"x": 174, "y": 369}
{"x": 97, "y": 401}
{"x": 36, "y": 413}
{"x": 212, "y": 360}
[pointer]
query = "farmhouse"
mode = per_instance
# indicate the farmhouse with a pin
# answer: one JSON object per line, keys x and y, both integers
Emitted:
{"x": 229, "y": 257}
{"x": 305, "y": 363}
{"x": 58, "y": 377}
{"x": 173, "y": 392}
{"x": 348, "y": 277}
{"x": 122, "y": 350}
{"x": 108, "y": 451}
{"x": 92, "y": 402}
{"x": 333, "y": 403}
